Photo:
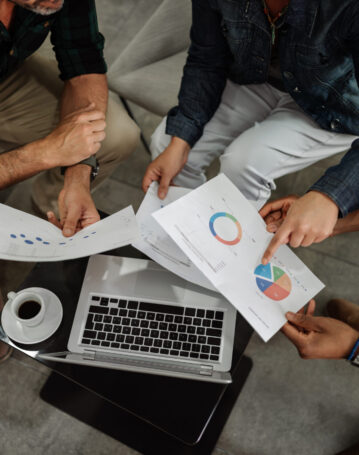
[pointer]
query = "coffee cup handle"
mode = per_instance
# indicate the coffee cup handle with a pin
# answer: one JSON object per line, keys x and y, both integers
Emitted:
{"x": 11, "y": 295}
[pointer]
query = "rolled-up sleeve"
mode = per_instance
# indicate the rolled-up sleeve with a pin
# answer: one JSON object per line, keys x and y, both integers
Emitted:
{"x": 77, "y": 42}
{"x": 341, "y": 182}
{"x": 204, "y": 75}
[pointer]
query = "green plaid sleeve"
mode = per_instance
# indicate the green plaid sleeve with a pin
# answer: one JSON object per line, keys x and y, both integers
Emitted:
{"x": 77, "y": 42}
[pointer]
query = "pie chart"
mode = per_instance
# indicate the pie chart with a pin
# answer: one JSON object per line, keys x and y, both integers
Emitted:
{"x": 273, "y": 281}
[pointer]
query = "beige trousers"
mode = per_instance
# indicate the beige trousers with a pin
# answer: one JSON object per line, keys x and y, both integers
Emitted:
{"x": 29, "y": 110}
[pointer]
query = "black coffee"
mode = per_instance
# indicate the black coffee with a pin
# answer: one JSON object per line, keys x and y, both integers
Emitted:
{"x": 28, "y": 309}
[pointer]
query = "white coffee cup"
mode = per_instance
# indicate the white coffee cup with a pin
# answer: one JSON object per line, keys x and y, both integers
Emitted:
{"x": 27, "y": 307}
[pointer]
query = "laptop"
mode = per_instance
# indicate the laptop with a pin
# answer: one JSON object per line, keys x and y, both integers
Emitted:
{"x": 134, "y": 315}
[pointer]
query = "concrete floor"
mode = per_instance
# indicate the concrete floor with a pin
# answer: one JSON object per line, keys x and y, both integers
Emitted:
{"x": 288, "y": 405}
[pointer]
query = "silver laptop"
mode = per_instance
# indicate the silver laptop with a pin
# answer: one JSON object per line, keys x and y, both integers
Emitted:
{"x": 134, "y": 315}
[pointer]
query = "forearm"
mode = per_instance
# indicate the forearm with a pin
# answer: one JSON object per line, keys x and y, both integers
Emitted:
{"x": 23, "y": 163}
{"x": 348, "y": 224}
{"x": 341, "y": 182}
{"x": 80, "y": 92}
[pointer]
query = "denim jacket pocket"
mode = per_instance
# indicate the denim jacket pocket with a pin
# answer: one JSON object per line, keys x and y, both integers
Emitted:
{"x": 312, "y": 57}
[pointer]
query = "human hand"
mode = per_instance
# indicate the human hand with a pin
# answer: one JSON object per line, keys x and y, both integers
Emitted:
{"x": 319, "y": 337}
{"x": 77, "y": 209}
{"x": 77, "y": 137}
{"x": 275, "y": 212}
{"x": 310, "y": 219}
{"x": 166, "y": 166}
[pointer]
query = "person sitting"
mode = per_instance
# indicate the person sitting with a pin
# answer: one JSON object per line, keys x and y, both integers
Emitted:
{"x": 46, "y": 123}
{"x": 269, "y": 87}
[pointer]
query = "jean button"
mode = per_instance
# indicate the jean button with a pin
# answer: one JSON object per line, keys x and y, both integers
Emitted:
{"x": 296, "y": 90}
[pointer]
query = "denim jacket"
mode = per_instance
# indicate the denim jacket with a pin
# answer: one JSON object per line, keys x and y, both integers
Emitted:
{"x": 318, "y": 47}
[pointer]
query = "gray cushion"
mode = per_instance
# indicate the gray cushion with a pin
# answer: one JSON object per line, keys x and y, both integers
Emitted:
{"x": 154, "y": 87}
{"x": 166, "y": 33}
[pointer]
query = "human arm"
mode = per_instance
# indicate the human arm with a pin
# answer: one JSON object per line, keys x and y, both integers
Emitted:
{"x": 203, "y": 82}
{"x": 319, "y": 337}
{"x": 79, "y": 50}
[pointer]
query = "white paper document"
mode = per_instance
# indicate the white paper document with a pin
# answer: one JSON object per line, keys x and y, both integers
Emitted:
{"x": 25, "y": 237}
{"x": 225, "y": 237}
{"x": 155, "y": 243}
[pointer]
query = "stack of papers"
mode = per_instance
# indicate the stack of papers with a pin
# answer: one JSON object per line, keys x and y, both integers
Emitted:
{"x": 222, "y": 234}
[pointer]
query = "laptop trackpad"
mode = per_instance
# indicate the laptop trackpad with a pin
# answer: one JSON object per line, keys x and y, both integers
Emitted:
{"x": 159, "y": 284}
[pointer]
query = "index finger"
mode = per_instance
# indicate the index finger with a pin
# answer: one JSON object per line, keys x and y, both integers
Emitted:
{"x": 280, "y": 238}
{"x": 148, "y": 178}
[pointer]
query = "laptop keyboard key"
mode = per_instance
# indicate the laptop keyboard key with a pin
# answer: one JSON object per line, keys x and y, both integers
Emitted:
{"x": 214, "y": 341}
{"x": 196, "y": 347}
{"x": 104, "y": 301}
{"x": 154, "y": 350}
{"x": 186, "y": 347}
{"x": 214, "y": 332}
{"x": 169, "y": 318}
{"x": 136, "y": 331}
{"x": 158, "y": 343}
{"x": 150, "y": 316}
{"x": 215, "y": 350}
{"x": 105, "y": 344}
{"x": 164, "y": 335}
{"x": 122, "y": 303}
{"x": 89, "y": 334}
{"x": 113, "y": 300}
{"x": 190, "y": 312}
{"x": 84, "y": 341}
{"x": 178, "y": 319}
{"x": 126, "y": 330}
{"x": 101, "y": 335}
{"x": 115, "y": 345}
{"x": 148, "y": 342}
{"x": 174, "y": 352}
{"x": 107, "y": 319}
{"x": 154, "y": 325}
{"x": 122, "y": 312}
{"x": 110, "y": 337}
{"x": 205, "y": 349}
{"x": 217, "y": 324}
{"x": 163, "y": 326}
{"x": 129, "y": 339}
{"x": 120, "y": 338}
{"x": 184, "y": 354}
{"x": 176, "y": 345}
{"x": 182, "y": 337}
{"x": 132, "y": 314}
{"x": 107, "y": 328}
{"x": 125, "y": 321}
{"x": 200, "y": 331}
{"x": 125, "y": 346}
{"x": 134, "y": 347}
{"x": 144, "y": 324}
{"x": 214, "y": 357}
{"x": 139, "y": 340}
{"x": 145, "y": 332}
{"x": 181, "y": 328}
{"x": 219, "y": 315}
{"x": 95, "y": 298}
{"x": 200, "y": 313}
{"x": 204, "y": 356}
{"x": 114, "y": 311}
{"x": 99, "y": 327}
{"x": 187, "y": 320}
{"x": 164, "y": 351}
{"x": 173, "y": 336}
{"x": 196, "y": 321}
{"x": 98, "y": 317}
{"x": 172, "y": 327}
{"x": 202, "y": 340}
{"x": 167, "y": 344}
{"x": 192, "y": 338}
{"x": 160, "y": 317}
{"x": 141, "y": 315}
{"x": 209, "y": 314}
{"x": 144, "y": 348}
{"x": 116, "y": 320}
{"x": 155, "y": 333}
{"x": 132, "y": 305}
{"x": 206, "y": 323}
{"x": 96, "y": 342}
{"x": 191, "y": 329}
{"x": 98, "y": 309}
{"x": 194, "y": 355}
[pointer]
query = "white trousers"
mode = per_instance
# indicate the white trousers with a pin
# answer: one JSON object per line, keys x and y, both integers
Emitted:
{"x": 259, "y": 134}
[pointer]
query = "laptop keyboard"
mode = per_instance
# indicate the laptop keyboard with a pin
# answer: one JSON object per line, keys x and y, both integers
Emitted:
{"x": 168, "y": 330}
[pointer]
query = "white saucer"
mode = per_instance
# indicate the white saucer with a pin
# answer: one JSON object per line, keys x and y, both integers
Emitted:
{"x": 31, "y": 335}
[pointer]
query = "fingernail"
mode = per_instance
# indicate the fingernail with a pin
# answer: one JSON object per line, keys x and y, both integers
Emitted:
{"x": 264, "y": 261}
{"x": 67, "y": 232}
{"x": 289, "y": 314}
{"x": 161, "y": 194}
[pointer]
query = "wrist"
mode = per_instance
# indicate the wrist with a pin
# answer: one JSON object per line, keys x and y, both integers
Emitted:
{"x": 180, "y": 145}
{"x": 78, "y": 175}
{"x": 43, "y": 148}
{"x": 324, "y": 198}
{"x": 354, "y": 350}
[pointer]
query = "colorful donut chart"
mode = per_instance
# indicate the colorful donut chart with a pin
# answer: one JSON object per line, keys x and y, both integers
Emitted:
{"x": 213, "y": 218}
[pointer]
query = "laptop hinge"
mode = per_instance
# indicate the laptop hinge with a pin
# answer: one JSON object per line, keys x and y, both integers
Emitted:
{"x": 206, "y": 370}
{"x": 89, "y": 355}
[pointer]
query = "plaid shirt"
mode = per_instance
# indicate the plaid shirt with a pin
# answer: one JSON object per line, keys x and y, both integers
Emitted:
{"x": 77, "y": 42}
